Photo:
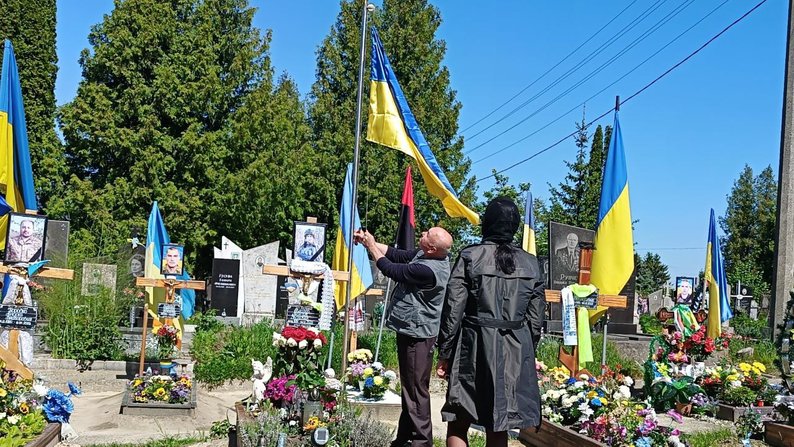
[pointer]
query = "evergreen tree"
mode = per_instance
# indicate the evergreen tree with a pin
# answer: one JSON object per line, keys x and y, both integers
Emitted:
{"x": 652, "y": 273}
{"x": 567, "y": 204}
{"x": 407, "y": 29}
{"x": 30, "y": 25}
{"x": 749, "y": 227}
{"x": 594, "y": 176}
{"x": 177, "y": 105}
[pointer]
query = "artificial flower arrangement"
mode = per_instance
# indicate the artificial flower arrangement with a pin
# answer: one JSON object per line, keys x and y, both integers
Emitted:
{"x": 167, "y": 338}
{"x": 159, "y": 388}
{"x": 603, "y": 409}
{"x": 358, "y": 361}
{"x": 739, "y": 386}
{"x": 376, "y": 381}
{"x": 26, "y": 408}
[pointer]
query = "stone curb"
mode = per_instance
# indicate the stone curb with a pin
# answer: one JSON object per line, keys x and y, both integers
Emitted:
{"x": 40, "y": 363}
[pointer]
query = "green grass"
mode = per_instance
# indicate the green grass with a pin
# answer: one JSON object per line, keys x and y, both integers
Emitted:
{"x": 549, "y": 348}
{"x": 710, "y": 438}
{"x": 764, "y": 351}
{"x": 474, "y": 441}
{"x": 166, "y": 442}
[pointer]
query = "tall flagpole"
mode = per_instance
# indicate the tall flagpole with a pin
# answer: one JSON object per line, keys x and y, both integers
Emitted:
{"x": 352, "y": 228}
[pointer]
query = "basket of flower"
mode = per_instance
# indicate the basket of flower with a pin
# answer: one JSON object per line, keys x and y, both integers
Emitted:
{"x": 376, "y": 381}
{"x": 739, "y": 387}
{"x": 32, "y": 412}
{"x": 358, "y": 361}
{"x": 167, "y": 338}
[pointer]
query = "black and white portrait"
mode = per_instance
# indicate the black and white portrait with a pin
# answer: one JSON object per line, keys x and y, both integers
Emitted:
{"x": 564, "y": 250}
{"x": 25, "y": 237}
{"x": 309, "y": 242}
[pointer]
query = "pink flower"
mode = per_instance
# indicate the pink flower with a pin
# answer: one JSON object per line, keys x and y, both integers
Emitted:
{"x": 676, "y": 416}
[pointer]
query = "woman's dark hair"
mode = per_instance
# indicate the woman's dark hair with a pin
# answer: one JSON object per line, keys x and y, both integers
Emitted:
{"x": 499, "y": 225}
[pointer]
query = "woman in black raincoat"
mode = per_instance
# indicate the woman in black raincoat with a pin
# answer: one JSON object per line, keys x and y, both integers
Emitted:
{"x": 490, "y": 326}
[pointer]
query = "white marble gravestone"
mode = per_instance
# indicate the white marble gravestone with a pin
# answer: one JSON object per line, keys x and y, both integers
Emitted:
{"x": 230, "y": 250}
{"x": 260, "y": 290}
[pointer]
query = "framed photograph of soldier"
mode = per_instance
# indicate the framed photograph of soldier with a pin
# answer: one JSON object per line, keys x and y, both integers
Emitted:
{"x": 172, "y": 256}
{"x": 564, "y": 250}
{"x": 309, "y": 241}
{"x": 25, "y": 238}
{"x": 684, "y": 286}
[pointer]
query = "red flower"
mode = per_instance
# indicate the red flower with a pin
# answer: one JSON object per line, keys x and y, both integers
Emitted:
{"x": 710, "y": 345}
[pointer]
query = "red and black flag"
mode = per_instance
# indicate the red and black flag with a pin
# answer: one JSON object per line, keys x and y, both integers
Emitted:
{"x": 406, "y": 232}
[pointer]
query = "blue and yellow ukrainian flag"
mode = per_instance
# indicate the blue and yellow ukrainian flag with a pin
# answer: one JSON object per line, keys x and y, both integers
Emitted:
{"x": 613, "y": 257}
{"x": 528, "y": 240}
{"x": 717, "y": 283}
{"x": 156, "y": 237}
{"x": 360, "y": 271}
{"x": 392, "y": 124}
{"x": 16, "y": 173}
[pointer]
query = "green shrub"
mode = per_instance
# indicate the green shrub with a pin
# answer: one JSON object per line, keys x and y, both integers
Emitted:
{"x": 226, "y": 355}
{"x": 745, "y": 326}
{"x": 739, "y": 396}
{"x": 83, "y": 328}
{"x": 650, "y": 324}
{"x": 764, "y": 351}
{"x": 206, "y": 321}
{"x": 388, "y": 346}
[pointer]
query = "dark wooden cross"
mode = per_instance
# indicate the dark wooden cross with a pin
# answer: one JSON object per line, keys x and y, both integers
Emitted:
{"x": 571, "y": 361}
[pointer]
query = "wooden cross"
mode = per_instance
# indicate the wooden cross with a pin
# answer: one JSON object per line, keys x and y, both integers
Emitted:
{"x": 170, "y": 286}
{"x": 10, "y": 356}
{"x": 571, "y": 361}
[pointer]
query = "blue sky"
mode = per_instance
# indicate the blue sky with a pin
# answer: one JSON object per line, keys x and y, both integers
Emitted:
{"x": 687, "y": 137}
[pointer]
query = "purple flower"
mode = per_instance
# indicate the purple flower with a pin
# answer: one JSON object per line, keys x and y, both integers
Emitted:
{"x": 676, "y": 416}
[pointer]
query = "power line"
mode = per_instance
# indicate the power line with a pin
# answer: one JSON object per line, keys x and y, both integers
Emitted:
{"x": 593, "y": 73}
{"x": 658, "y": 78}
{"x": 636, "y": 21}
{"x": 671, "y": 248}
{"x": 603, "y": 89}
{"x": 549, "y": 70}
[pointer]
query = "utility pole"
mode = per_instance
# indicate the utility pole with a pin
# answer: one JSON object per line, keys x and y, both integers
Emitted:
{"x": 784, "y": 227}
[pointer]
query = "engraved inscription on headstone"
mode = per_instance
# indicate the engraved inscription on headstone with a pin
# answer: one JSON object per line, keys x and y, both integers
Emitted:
{"x": 260, "y": 290}
{"x": 56, "y": 247}
{"x": 18, "y": 317}
{"x": 225, "y": 285}
{"x": 306, "y": 316}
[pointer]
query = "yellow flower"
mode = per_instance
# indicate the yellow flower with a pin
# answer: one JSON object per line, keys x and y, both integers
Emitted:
{"x": 160, "y": 393}
{"x": 312, "y": 423}
{"x": 732, "y": 377}
{"x": 745, "y": 367}
{"x": 23, "y": 408}
{"x": 3, "y": 392}
{"x": 368, "y": 372}
{"x": 378, "y": 380}
{"x": 591, "y": 394}
{"x": 759, "y": 366}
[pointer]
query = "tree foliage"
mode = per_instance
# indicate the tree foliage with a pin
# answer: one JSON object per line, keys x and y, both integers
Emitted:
{"x": 749, "y": 227}
{"x": 575, "y": 201}
{"x": 652, "y": 273}
{"x": 30, "y": 25}
{"x": 178, "y": 104}
{"x": 407, "y": 29}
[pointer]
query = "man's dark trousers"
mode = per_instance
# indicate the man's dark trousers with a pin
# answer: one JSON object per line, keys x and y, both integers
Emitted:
{"x": 416, "y": 361}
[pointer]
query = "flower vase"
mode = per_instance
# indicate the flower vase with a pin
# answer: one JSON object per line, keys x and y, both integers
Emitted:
{"x": 165, "y": 366}
{"x": 361, "y": 385}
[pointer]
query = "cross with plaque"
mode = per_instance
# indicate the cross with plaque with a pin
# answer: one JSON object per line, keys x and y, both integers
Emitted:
{"x": 168, "y": 310}
{"x": 17, "y": 313}
{"x": 571, "y": 361}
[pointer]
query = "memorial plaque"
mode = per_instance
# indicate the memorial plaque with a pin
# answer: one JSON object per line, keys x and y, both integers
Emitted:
{"x": 169, "y": 310}
{"x": 564, "y": 249}
{"x": 18, "y": 317}
{"x": 225, "y": 285}
{"x": 56, "y": 246}
{"x": 306, "y": 316}
{"x": 97, "y": 277}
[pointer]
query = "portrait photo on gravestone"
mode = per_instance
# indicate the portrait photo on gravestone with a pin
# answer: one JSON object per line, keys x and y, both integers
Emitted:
{"x": 25, "y": 238}
{"x": 172, "y": 256}
{"x": 309, "y": 241}
{"x": 564, "y": 249}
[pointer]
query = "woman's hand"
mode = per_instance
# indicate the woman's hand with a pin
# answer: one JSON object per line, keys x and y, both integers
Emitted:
{"x": 441, "y": 368}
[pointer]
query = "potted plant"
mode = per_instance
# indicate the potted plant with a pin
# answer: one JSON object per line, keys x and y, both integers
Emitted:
{"x": 739, "y": 396}
{"x": 675, "y": 393}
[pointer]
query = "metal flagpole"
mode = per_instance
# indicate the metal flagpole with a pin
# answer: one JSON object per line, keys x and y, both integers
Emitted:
{"x": 382, "y": 319}
{"x": 352, "y": 216}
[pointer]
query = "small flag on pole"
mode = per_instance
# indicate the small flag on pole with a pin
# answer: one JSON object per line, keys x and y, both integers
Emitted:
{"x": 406, "y": 231}
{"x": 716, "y": 283}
